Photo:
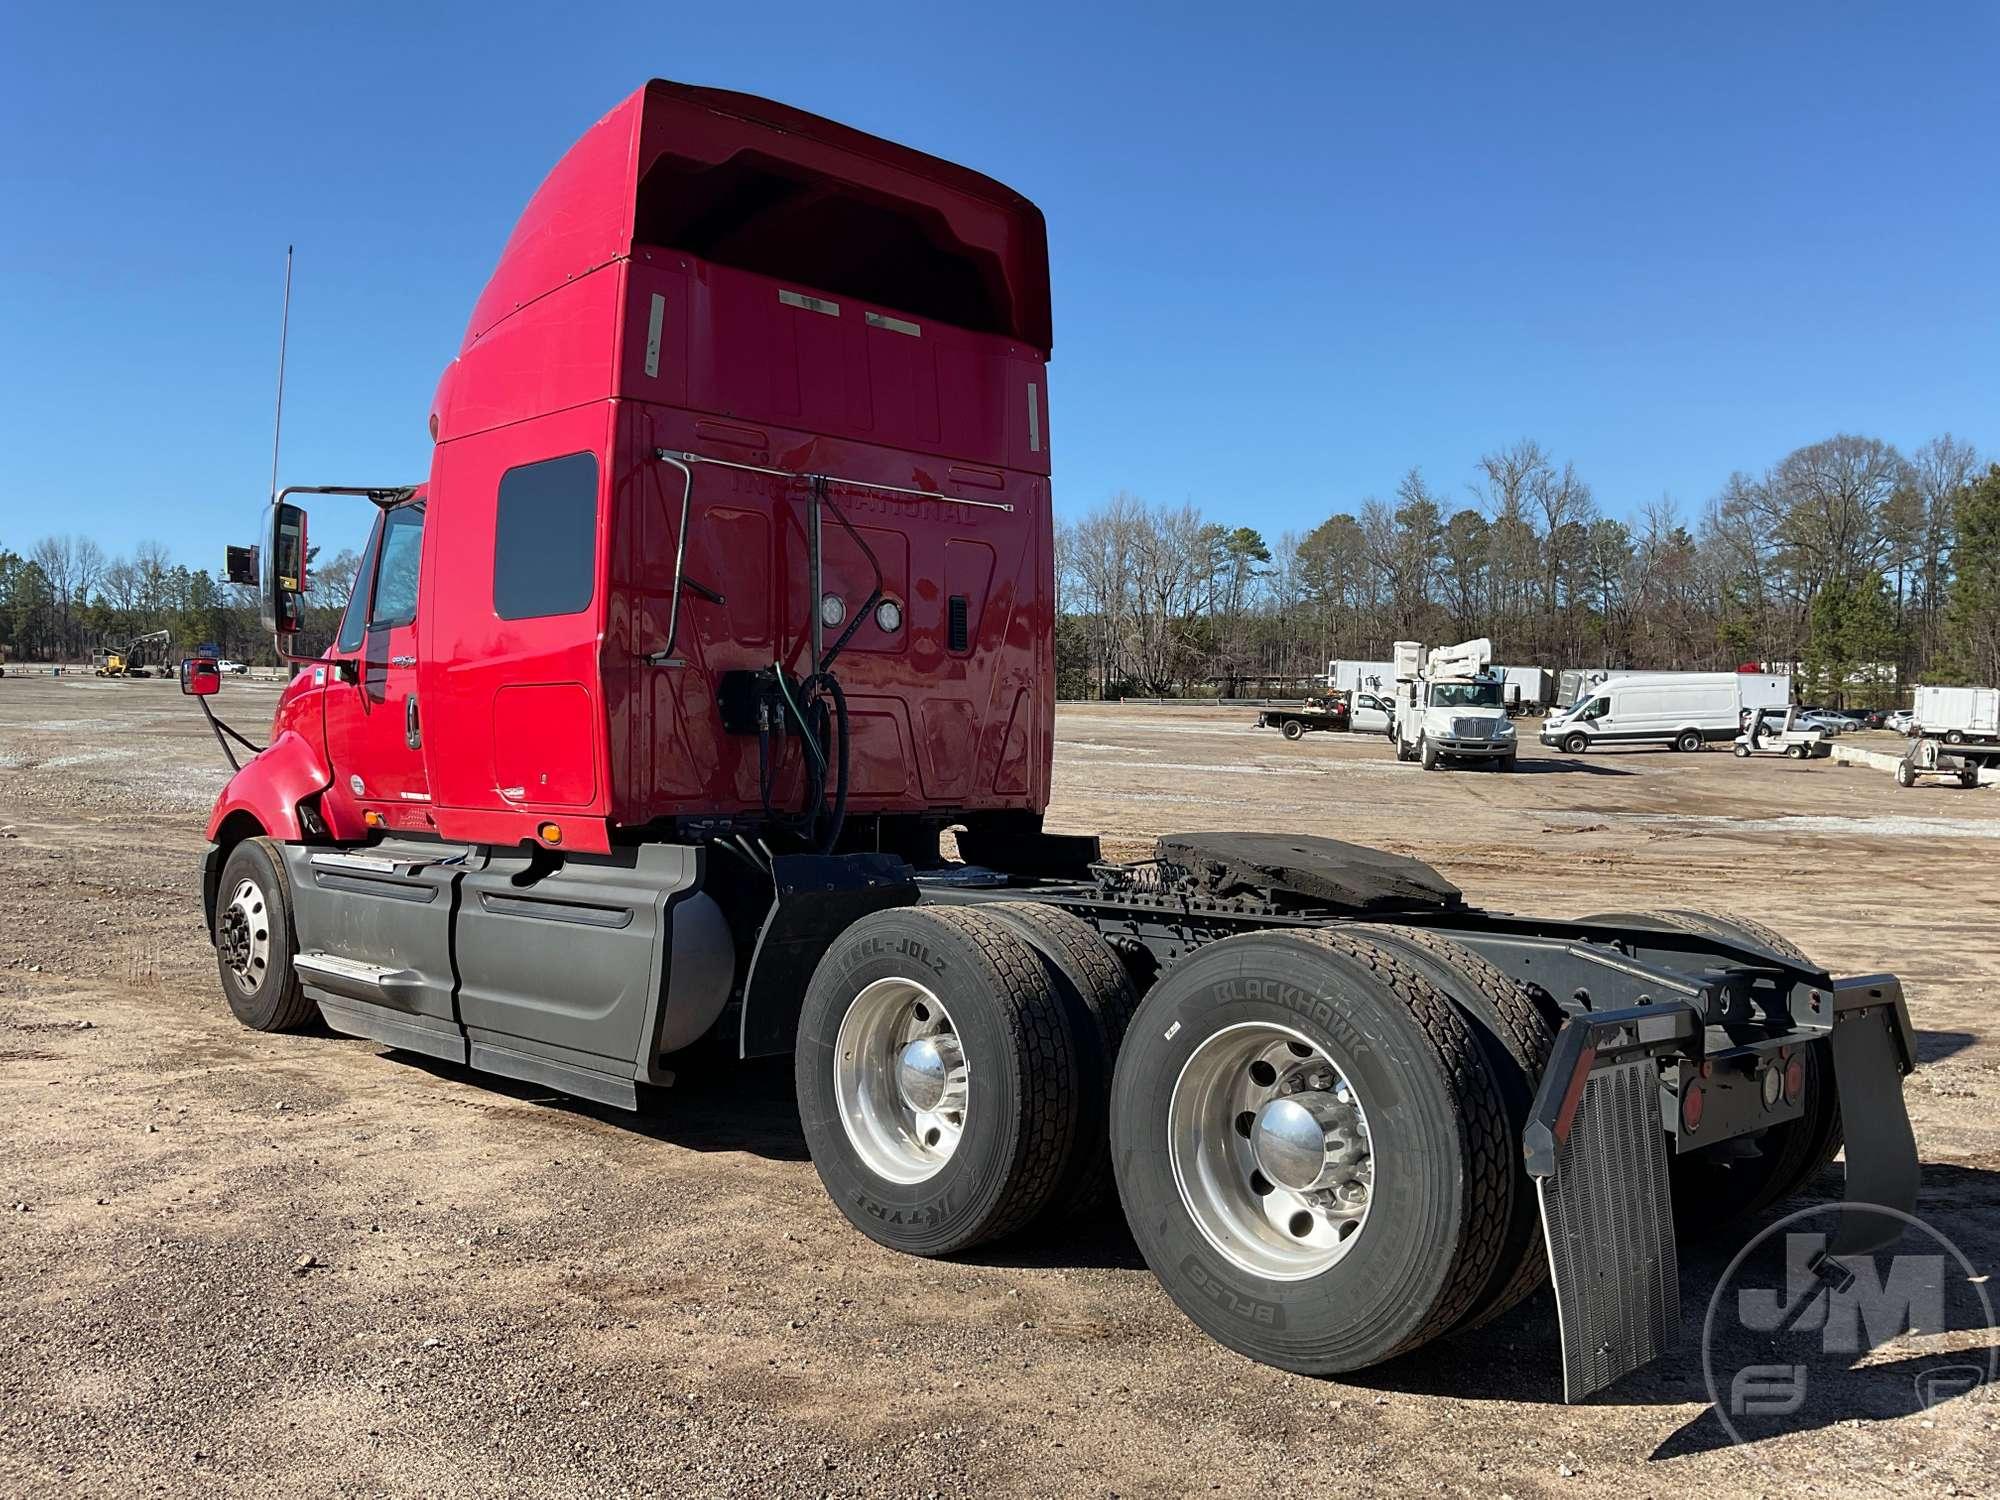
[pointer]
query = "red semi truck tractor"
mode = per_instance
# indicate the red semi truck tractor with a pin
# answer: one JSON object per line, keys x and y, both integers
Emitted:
{"x": 728, "y": 593}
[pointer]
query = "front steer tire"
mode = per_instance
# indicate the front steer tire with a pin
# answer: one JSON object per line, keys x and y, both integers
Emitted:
{"x": 255, "y": 940}
{"x": 1019, "y": 1118}
{"x": 1433, "y": 1237}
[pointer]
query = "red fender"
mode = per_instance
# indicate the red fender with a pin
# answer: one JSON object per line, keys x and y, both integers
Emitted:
{"x": 271, "y": 786}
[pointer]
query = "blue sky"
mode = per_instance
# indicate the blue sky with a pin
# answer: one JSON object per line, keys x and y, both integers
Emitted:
{"x": 1296, "y": 250}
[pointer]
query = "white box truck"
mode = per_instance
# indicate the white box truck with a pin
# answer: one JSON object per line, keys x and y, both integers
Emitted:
{"x": 1959, "y": 715}
{"x": 1528, "y": 690}
{"x": 1377, "y": 677}
{"x": 1686, "y": 710}
{"x": 1573, "y": 685}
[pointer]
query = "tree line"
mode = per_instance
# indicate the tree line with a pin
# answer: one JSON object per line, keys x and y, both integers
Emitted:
{"x": 67, "y": 597}
{"x": 1865, "y": 568}
{"x": 1861, "y": 567}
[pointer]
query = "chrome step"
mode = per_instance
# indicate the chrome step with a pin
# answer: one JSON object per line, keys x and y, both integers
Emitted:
{"x": 375, "y": 864}
{"x": 351, "y": 977}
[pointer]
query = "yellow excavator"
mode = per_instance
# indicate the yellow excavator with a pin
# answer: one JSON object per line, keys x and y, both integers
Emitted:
{"x": 131, "y": 659}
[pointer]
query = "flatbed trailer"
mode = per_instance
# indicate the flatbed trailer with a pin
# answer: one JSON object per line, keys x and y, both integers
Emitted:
{"x": 635, "y": 746}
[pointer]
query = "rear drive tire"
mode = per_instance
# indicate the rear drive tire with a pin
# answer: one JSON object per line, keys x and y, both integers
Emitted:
{"x": 1516, "y": 1037}
{"x": 1294, "y": 729}
{"x": 1689, "y": 741}
{"x": 997, "y": 1070}
{"x": 1576, "y": 744}
{"x": 1098, "y": 998}
{"x": 1393, "y": 1087}
{"x": 255, "y": 940}
{"x": 1954, "y": 737}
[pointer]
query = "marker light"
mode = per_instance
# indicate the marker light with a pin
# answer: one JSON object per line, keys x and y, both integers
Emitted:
{"x": 1795, "y": 1079}
{"x": 889, "y": 616}
{"x": 832, "y": 609}
{"x": 1771, "y": 1084}
{"x": 550, "y": 833}
{"x": 372, "y": 818}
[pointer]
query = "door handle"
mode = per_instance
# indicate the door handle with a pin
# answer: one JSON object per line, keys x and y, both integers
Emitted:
{"x": 413, "y": 734}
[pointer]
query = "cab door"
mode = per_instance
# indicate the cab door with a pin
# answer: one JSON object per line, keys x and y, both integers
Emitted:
{"x": 374, "y": 722}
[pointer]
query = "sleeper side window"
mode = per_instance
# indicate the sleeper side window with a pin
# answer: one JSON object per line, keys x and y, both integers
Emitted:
{"x": 396, "y": 573}
{"x": 545, "y": 538}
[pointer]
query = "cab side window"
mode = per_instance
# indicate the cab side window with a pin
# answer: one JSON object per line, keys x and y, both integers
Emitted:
{"x": 1599, "y": 707}
{"x": 396, "y": 573}
{"x": 355, "y": 620}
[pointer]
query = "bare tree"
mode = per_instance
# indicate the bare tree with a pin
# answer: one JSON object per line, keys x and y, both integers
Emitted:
{"x": 1825, "y": 505}
{"x": 1939, "y": 470}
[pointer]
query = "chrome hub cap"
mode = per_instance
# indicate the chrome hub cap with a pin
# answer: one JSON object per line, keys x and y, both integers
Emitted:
{"x": 931, "y": 1075}
{"x": 900, "y": 1080}
{"x": 1271, "y": 1151}
{"x": 243, "y": 934}
{"x": 1314, "y": 1143}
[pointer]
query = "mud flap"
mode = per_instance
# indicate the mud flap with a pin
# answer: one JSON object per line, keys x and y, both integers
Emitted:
{"x": 1873, "y": 1048}
{"x": 814, "y": 899}
{"x": 1598, "y": 1153}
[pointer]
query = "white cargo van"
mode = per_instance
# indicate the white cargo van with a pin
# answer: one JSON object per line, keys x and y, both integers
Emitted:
{"x": 1686, "y": 710}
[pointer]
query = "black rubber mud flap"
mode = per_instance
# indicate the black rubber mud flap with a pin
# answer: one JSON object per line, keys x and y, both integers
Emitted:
{"x": 1873, "y": 1048}
{"x": 816, "y": 898}
{"x": 1598, "y": 1153}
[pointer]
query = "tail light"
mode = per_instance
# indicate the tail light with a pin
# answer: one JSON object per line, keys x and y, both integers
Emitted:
{"x": 1693, "y": 1097}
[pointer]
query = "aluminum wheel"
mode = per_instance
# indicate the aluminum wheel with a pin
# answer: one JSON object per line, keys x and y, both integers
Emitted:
{"x": 243, "y": 933}
{"x": 900, "y": 1079}
{"x": 1271, "y": 1151}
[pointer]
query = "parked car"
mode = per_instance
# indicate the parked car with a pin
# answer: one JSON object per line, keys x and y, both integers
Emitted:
{"x": 1372, "y": 714}
{"x": 1825, "y": 719}
{"x": 237, "y": 667}
{"x": 1903, "y": 721}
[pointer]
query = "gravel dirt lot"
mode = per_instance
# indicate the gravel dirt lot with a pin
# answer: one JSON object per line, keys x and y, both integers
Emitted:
{"x": 248, "y": 1265}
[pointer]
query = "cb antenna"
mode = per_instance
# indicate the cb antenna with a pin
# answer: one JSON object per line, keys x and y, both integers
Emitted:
{"x": 284, "y": 332}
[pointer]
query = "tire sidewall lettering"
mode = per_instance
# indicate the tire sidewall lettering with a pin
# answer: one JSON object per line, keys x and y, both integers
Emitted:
{"x": 1354, "y": 1303}
{"x": 918, "y": 1214}
{"x": 1357, "y": 1052}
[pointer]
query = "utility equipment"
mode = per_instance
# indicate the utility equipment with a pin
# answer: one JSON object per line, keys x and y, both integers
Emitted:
{"x": 135, "y": 659}
{"x": 1928, "y": 758}
{"x": 1452, "y": 710}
